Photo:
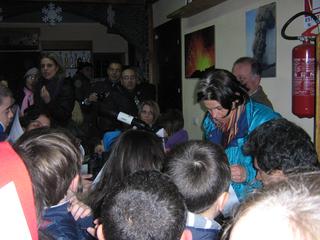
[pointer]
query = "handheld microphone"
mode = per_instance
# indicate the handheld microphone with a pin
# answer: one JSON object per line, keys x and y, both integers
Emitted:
{"x": 132, "y": 121}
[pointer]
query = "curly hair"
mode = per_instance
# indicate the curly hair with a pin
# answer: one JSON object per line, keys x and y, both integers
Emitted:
{"x": 282, "y": 145}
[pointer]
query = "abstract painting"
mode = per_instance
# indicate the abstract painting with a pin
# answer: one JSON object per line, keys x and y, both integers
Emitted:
{"x": 199, "y": 52}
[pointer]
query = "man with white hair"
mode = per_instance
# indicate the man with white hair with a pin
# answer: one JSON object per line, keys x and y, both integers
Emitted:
{"x": 248, "y": 72}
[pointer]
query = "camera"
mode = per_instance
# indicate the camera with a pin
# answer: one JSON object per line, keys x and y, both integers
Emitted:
{"x": 103, "y": 95}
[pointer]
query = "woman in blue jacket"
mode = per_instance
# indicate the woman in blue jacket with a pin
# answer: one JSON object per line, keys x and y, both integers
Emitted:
{"x": 231, "y": 116}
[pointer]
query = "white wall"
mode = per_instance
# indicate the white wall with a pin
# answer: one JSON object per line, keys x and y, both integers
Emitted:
{"x": 230, "y": 43}
{"x": 95, "y": 32}
{"x": 162, "y": 8}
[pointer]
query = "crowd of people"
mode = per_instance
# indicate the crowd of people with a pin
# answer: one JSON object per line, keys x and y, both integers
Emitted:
{"x": 253, "y": 169}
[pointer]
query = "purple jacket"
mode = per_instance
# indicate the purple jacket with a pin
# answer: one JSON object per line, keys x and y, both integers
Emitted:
{"x": 178, "y": 137}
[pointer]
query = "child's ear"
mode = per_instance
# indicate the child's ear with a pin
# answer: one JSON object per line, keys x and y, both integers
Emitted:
{"x": 186, "y": 235}
{"x": 100, "y": 235}
{"x": 222, "y": 200}
{"x": 74, "y": 183}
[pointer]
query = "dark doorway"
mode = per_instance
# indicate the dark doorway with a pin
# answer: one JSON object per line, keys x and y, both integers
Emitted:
{"x": 168, "y": 57}
{"x": 13, "y": 66}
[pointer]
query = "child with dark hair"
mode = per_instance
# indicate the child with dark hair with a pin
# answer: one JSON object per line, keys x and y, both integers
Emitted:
{"x": 281, "y": 148}
{"x": 172, "y": 121}
{"x": 201, "y": 172}
{"x": 53, "y": 159}
{"x": 34, "y": 117}
{"x": 145, "y": 205}
{"x": 134, "y": 150}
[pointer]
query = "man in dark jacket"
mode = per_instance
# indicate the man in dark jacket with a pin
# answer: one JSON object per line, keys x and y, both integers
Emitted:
{"x": 108, "y": 97}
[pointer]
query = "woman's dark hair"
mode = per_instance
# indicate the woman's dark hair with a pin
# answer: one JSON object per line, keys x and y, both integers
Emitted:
{"x": 222, "y": 86}
{"x": 134, "y": 150}
{"x": 172, "y": 121}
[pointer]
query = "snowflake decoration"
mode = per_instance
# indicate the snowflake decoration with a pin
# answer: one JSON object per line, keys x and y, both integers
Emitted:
{"x": 110, "y": 16}
{"x": 51, "y": 14}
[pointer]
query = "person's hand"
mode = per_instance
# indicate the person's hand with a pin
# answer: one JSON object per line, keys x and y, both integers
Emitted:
{"x": 86, "y": 182}
{"x": 93, "y": 97}
{"x": 45, "y": 95}
{"x": 238, "y": 173}
{"x": 93, "y": 230}
{"x": 78, "y": 209}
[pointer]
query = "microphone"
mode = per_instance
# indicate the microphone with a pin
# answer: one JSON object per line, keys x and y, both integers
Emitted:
{"x": 139, "y": 124}
{"x": 132, "y": 121}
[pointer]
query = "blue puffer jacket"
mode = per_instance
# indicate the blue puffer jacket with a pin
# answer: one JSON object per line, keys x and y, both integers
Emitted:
{"x": 60, "y": 224}
{"x": 255, "y": 114}
{"x": 3, "y": 135}
{"x": 203, "y": 234}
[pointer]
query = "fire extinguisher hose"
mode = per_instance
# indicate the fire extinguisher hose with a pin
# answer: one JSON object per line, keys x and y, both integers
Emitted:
{"x": 283, "y": 30}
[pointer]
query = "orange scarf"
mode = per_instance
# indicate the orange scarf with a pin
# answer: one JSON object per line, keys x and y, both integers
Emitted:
{"x": 230, "y": 128}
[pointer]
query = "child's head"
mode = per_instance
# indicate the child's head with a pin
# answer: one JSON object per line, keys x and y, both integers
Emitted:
{"x": 134, "y": 150}
{"x": 172, "y": 121}
{"x": 280, "y": 148}
{"x": 201, "y": 172}
{"x": 287, "y": 210}
{"x": 146, "y": 205}
{"x": 53, "y": 160}
{"x": 34, "y": 117}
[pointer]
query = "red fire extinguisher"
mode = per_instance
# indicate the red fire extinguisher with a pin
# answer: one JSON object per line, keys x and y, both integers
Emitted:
{"x": 303, "y": 70}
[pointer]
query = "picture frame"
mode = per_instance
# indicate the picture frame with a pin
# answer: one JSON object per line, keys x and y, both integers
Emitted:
{"x": 261, "y": 37}
{"x": 199, "y": 52}
{"x": 19, "y": 39}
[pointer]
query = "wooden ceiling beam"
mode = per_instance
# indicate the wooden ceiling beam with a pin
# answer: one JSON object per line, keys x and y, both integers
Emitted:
{"x": 194, "y": 7}
{"x": 92, "y": 1}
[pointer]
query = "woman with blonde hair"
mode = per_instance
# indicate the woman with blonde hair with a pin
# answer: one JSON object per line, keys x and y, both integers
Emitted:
{"x": 54, "y": 92}
{"x": 149, "y": 112}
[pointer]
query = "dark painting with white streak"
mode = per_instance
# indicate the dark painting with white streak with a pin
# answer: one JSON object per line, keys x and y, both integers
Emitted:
{"x": 261, "y": 37}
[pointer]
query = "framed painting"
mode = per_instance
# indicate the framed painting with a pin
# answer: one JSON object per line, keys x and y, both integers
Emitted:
{"x": 199, "y": 52}
{"x": 261, "y": 37}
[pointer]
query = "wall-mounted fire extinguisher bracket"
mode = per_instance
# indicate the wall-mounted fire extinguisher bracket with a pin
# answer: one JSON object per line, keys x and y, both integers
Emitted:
{"x": 303, "y": 69}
